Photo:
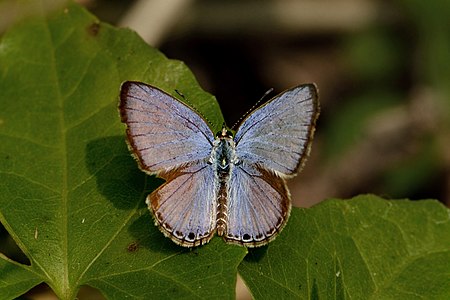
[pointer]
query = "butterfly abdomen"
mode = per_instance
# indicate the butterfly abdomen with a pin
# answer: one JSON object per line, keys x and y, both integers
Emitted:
{"x": 222, "y": 208}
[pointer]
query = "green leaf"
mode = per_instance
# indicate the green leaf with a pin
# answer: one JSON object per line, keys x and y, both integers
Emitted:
{"x": 71, "y": 196}
{"x": 15, "y": 278}
{"x": 364, "y": 248}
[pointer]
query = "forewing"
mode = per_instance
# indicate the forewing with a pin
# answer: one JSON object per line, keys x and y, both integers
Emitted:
{"x": 162, "y": 132}
{"x": 258, "y": 206}
{"x": 185, "y": 206}
{"x": 277, "y": 135}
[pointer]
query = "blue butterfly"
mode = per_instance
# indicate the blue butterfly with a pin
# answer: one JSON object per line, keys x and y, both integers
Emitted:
{"x": 234, "y": 186}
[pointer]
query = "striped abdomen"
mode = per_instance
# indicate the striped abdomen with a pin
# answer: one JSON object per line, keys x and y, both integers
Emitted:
{"x": 222, "y": 217}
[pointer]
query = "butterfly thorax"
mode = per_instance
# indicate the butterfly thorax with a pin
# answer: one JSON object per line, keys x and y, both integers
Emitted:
{"x": 222, "y": 159}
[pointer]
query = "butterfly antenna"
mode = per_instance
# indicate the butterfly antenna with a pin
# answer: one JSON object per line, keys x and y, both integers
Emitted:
{"x": 193, "y": 107}
{"x": 252, "y": 108}
{"x": 180, "y": 94}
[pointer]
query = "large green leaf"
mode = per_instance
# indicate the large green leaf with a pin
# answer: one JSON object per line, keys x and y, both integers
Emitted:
{"x": 71, "y": 195}
{"x": 364, "y": 248}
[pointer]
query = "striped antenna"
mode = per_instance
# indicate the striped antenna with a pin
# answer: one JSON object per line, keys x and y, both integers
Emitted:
{"x": 251, "y": 109}
{"x": 211, "y": 125}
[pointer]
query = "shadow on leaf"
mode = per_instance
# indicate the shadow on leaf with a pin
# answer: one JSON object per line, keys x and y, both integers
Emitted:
{"x": 145, "y": 234}
{"x": 122, "y": 183}
{"x": 117, "y": 174}
{"x": 256, "y": 254}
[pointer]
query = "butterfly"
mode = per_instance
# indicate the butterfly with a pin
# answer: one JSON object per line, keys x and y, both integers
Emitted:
{"x": 230, "y": 185}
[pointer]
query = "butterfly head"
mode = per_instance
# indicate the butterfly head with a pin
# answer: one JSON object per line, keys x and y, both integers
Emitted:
{"x": 224, "y": 133}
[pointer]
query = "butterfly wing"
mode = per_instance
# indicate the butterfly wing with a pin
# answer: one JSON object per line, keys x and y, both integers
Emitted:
{"x": 271, "y": 144}
{"x": 171, "y": 140}
{"x": 258, "y": 205}
{"x": 277, "y": 136}
{"x": 162, "y": 132}
{"x": 183, "y": 206}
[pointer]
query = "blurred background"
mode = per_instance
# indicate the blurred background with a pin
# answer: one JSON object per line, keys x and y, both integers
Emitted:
{"x": 382, "y": 69}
